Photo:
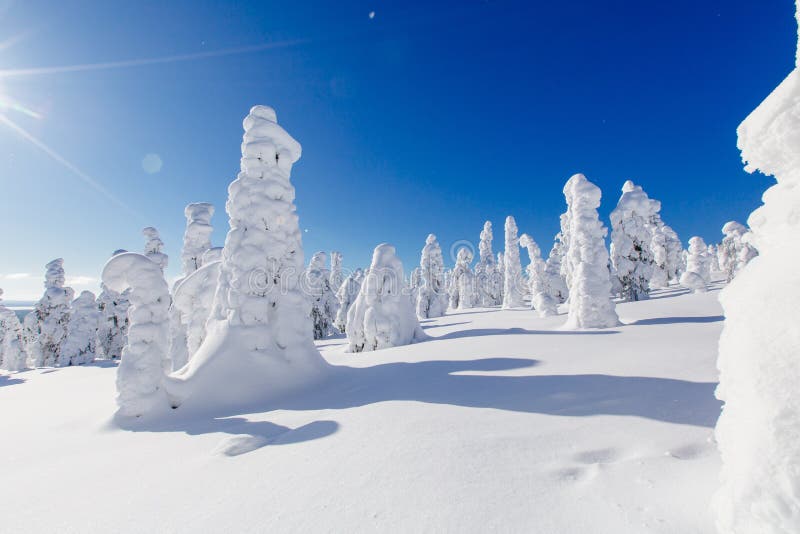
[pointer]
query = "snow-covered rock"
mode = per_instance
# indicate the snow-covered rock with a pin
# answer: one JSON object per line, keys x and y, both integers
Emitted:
{"x": 590, "y": 304}
{"x": 383, "y": 315}
{"x": 759, "y": 366}
{"x": 140, "y": 373}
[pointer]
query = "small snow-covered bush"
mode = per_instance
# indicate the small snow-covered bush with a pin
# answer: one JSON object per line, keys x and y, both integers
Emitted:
{"x": 590, "y": 304}
{"x": 383, "y": 315}
{"x": 140, "y": 373}
{"x": 80, "y": 346}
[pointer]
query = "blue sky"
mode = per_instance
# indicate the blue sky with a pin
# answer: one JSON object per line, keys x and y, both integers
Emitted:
{"x": 427, "y": 117}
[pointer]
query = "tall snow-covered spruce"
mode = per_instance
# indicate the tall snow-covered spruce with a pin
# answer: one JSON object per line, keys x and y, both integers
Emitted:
{"x": 141, "y": 369}
{"x": 462, "y": 284}
{"x": 46, "y": 325}
{"x": 759, "y": 365}
{"x": 383, "y": 315}
{"x": 631, "y": 235}
{"x": 112, "y": 333}
{"x": 542, "y": 299}
{"x": 324, "y": 304}
{"x": 259, "y": 340}
{"x": 431, "y": 297}
{"x": 336, "y": 277}
{"x": 197, "y": 236}
{"x": 12, "y": 354}
{"x": 513, "y": 282}
{"x": 347, "y": 294}
{"x": 590, "y": 304}
{"x": 154, "y": 247}
{"x": 80, "y": 346}
{"x": 488, "y": 279}
{"x": 696, "y": 276}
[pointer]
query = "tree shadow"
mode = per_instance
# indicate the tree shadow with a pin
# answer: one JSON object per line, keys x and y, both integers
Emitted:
{"x": 479, "y": 332}
{"x": 678, "y": 320}
{"x": 6, "y": 380}
{"x": 426, "y": 326}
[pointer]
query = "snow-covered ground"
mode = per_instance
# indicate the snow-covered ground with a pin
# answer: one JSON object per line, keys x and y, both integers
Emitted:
{"x": 501, "y": 422}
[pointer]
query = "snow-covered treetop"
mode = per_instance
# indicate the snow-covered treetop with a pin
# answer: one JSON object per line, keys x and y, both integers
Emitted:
{"x": 634, "y": 201}
{"x": 318, "y": 261}
{"x": 264, "y": 137}
{"x": 132, "y": 270}
{"x": 54, "y": 276}
{"x": 770, "y": 135}
{"x": 733, "y": 228}
{"x": 199, "y": 211}
{"x": 153, "y": 247}
{"x": 485, "y": 245}
{"x": 86, "y": 300}
{"x": 527, "y": 242}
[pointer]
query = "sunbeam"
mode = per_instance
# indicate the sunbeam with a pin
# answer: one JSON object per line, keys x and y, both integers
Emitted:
{"x": 88, "y": 180}
{"x": 8, "y": 73}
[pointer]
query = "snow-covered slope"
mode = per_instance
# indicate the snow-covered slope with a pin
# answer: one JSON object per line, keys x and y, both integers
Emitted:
{"x": 501, "y": 422}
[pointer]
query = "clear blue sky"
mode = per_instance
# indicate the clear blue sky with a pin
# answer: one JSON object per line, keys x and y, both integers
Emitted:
{"x": 424, "y": 118}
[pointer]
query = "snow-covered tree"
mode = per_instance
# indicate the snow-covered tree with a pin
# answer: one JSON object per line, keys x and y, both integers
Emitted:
{"x": 542, "y": 299}
{"x": 697, "y": 274}
{"x": 192, "y": 299}
{"x": 80, "y": 346}
{"x": 735, "y": 251}
{"x": 501, "y": 278}
{"x": 713, "y": 259}
{"x": 336, "y": 276}
{"x": 513, "y": 282}
{"x": 432, "y": 297}
{"x": 260, "y": 334}
{"x": 154, "y": 247}
{"x": 112, "y": 332}
{"x": 590, "y": 304}
{"x": 197, "y": 236}
{"x": 140, "y": 373}
{"x": 658, "y": 246}
{"x": 489, "y": 280}
{"x": 324, "y": 304}
{"x": 414, "y": 283}
{"x": 552, "y": 269}
{"x": 47, "y": 323}
{"x": 383, "y": 315}
{"x": 758, "y": 429}
{"x": 631, "y": 236}
{"x": 462, "y": 285}
{"x": 12, "y": 354}
{"x": 347, "y": 293}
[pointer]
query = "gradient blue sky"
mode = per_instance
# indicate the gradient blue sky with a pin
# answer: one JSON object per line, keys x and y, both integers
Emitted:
{"x": 429, "y": 117}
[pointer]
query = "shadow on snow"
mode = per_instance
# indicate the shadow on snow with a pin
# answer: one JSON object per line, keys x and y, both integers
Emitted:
{"x": 678, "y": 320}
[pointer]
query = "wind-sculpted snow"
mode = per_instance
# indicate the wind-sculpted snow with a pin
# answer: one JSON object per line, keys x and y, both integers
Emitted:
{"x": 197, "y": 236}
{"x": 432, "y": 299}
{"x": 383, "y": 315}
{"x": 590, "y": 304}
{"x": 259, "y": 336}
{"x": 758, "y": 352}
{"x": 140, "y": 374}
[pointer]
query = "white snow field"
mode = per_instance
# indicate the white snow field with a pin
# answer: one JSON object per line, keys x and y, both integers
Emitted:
{"x": 501, "y": 422}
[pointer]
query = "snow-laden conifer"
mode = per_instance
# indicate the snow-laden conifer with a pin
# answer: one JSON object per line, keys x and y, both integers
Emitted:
{"x": 154, "y": 247}
{"x": 197, "y": 236}
{"x": 47, "y": 324}
{"x": 324, "y": 303}
{"x": 696, "y": 276}
{"x": 347, "y": 293}
{"x": 462, "y": 286}
{"x": 432, "y": 297}
{"x": 12, "y": 353}
{"x": 383, "y": 315}
{"x": 590, "y": 304}
{"x": 80, "y": 346}
{"x": 513, "y": 281}
{"x": 542, "y": 299}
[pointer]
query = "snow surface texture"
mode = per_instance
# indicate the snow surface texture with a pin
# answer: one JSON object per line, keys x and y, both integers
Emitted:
{"x": 192, "y": 300}
{"x": 590, "y": 304}
{"x": 259, "y": 337}
{"x": 12, "y": 353}
{"x": 80, "y": 346}
{"x": 154, "y": 247}
{"x": 631, "y": 235}
{"x": 140, "y": 374}
{"x": 431, "y": 297}
{"x": 197, "y": 236}
{"x": 489, "y": 280}
{"x": 758, "y": 361}
{"x": 383, "y": 315}
{"x": 501, "y": 423}
{"x": 46, "y": 325}
{"x": 512, "y": 282}
{"x": 697, "y": 274}
{"x": 542, "y": 299}
{"x": 347, "y": 294}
